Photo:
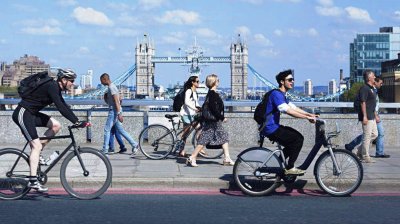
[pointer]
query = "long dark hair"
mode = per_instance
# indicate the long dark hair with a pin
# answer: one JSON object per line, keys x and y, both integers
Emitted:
{"x": 188, "y": 84}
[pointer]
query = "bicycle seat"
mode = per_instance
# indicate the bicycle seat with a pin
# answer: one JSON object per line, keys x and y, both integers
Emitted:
{"x": 170, "y": 116}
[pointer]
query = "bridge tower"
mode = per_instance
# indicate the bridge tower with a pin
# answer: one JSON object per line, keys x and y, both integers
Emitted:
{"x": 144, "y": 69}
{"x": 239, "y": 61}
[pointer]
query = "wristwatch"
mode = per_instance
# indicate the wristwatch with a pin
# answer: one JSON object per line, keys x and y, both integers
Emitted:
{"x": 119, "y": 113}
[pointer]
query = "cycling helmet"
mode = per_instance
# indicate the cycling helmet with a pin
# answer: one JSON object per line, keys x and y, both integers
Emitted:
{"x": 66, "y": 73}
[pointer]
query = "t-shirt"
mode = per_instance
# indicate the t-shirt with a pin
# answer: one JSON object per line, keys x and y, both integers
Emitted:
{"x": 368, "y": 95}
{"x": 112, "y": 90}
{"x": 276, "y": 98}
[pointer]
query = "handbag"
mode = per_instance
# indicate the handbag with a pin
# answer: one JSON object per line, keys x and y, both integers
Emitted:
{"x": 206, "y": 114}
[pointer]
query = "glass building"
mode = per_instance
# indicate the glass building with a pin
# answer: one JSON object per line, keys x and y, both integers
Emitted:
{"x": 369, "y": 50}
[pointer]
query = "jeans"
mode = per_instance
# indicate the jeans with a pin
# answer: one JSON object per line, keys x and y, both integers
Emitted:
{"x": 291, "y": 139}
{"x": 355, "y": 142}
{"x": 117, "y": 135}
{"x": 379, "y": 139}
{"x": 112, "y": 120}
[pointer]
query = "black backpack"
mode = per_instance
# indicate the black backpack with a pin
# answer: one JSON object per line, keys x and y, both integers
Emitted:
{"x": 29, "y": 84}
{"x": 357, "y": 103}
{"x": 260, "y": 115}
{"x": 179, "y": 100}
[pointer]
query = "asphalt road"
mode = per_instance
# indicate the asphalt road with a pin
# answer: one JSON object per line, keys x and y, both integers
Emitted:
{"x": 202, "y": 207}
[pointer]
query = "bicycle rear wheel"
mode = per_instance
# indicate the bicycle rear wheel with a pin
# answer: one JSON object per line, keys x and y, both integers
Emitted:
{"x": 13, "y": 185}
{"x": 90, "y": 184}
{"x": 250, "y": 178}
{"x": 334, "y": 183}
{"x": 156, "y": 141}
{"x": 209, "y": 153}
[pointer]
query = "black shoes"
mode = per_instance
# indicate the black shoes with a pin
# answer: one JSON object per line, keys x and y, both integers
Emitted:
{"x": 382, "y": 156}
{"x": 124, "y": 150}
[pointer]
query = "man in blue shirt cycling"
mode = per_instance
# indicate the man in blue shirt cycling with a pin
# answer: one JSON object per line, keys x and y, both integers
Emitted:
{"x": 289, "y": 138}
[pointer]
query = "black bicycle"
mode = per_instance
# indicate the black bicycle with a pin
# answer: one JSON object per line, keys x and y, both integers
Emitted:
{"x": 158, "y": 141}
{"x": 85, "y": 173}
{"x": 259, "y": 171}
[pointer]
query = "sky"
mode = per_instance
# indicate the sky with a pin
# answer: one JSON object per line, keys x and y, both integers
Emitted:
{"x": 310, "y": 36}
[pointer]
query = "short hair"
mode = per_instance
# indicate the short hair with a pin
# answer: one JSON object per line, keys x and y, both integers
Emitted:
{"x": 105, "y": 75}
{"x": 281, "y": 76}
{"x": 378, "y": 78}
{"x": 211, "y": 80}
{"x": 366, "y": 74}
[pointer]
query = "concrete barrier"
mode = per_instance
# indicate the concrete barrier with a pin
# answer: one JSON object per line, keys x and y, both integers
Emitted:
{"x": 241, "y": 127}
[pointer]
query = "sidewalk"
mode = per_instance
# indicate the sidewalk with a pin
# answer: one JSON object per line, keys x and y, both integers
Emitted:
{"x": 172, "y": 173}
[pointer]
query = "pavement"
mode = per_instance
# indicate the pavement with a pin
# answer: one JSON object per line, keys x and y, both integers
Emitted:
{"x": 173, "y": 174}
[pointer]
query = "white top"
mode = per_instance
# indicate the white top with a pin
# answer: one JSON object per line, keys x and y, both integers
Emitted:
{"x": 112, "y": 90}
{"x": 190, "y": 104}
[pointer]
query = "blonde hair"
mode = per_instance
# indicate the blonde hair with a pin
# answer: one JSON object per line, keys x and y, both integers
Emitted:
{"x": 211, "y": 80}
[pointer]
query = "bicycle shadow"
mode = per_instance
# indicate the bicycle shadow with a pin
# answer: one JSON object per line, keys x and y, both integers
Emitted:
{"x": 297, "y": 188}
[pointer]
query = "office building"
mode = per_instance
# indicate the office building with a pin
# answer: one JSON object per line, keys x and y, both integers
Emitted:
{"x": 332, "y": 87}
{"x": 390, "y": 91}
{"x": 27, "y": 65}
{"x": 369, "y": 50}
{"x": 87, "y": 80}
{"x": 308, "y": 87}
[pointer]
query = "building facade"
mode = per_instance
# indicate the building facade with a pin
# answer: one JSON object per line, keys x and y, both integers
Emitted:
{"x": 239, "y": 60}
{"x": 391, "y": 81}
{"x": 369, "y": 50}
{"x": 308, "y": 88}
{"x": 332, "y": 87}
{"x": 87, "y": 80}
{"x": 27, "y": 65}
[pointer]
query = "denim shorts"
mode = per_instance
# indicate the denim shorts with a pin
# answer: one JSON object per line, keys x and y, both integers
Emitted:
{"x": 187, "y": 119}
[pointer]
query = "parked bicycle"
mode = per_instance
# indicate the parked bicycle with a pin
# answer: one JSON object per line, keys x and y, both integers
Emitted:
{"x": 158, "y": 141}
{"x": 85, "y": 173}
{"x": 259, "y": 171}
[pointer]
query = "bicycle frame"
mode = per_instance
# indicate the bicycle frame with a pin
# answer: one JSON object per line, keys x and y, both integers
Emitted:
{"x": 321, "y": 139}
{"x": 63, "y": 153}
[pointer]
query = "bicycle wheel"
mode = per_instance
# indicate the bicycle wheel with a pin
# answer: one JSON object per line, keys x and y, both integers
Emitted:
{"x": 90, "y": 184}
{"x": 156, "y": 141}
{"x": 253, "y": 180}
{"x": 209, "y": 153}
{"x": 334, "y": 183}
{"x": 13, "y": 185}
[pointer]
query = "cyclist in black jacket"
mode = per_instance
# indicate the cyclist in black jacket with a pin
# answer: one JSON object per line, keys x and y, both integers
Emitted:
{"x": 27, "y": 116}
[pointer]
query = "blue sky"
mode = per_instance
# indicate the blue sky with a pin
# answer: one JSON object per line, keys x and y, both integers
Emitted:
{"x": 310, "y": 36}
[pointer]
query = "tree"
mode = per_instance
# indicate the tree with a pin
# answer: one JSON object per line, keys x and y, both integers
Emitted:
{"x": 350, "y": 95}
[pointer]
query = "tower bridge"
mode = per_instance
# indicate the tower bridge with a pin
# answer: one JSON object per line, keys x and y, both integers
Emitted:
{"x": 144, "y": 68}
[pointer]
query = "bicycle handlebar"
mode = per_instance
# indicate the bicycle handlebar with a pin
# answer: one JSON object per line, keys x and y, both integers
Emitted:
{"x": 81, "y": 124}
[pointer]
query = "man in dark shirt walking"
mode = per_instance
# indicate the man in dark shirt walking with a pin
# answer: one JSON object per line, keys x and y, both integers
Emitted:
{"x": 27, "y": 116}
{"x": 367, "y": 115}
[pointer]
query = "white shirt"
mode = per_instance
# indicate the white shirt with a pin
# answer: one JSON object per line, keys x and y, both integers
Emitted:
{"x": 190, "y": 104}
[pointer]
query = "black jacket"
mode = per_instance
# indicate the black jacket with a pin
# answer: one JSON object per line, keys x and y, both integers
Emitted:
{"x": 216, "y": 105}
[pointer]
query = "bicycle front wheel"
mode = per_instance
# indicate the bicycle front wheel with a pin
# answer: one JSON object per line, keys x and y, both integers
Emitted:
{"x": 86, "y": 175}
{"x": 156, "y": 141}
{"x": 336, "y": 183}
{"x": 13, "y": 183}
{"x": 208, "y": 153}
{"x": 249, "y": 174}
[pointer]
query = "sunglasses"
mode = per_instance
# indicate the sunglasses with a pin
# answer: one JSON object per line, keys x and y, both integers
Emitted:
{"x": 71, "y": 80}
{"x": 290, "y": 80}
{"x": 197, "y": 81}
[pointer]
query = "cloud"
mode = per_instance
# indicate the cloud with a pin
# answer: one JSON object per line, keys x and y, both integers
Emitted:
{"x": 290, "y": 1}
{"x": 358, "y": 14}
{"x": 261, "y": 39}
{"x": 151, "y": 4}
{"x": 254, "y": 2}
{"x": 278, "y": 32}
{"x": 312, "y": 32}
{"x": 118, "y": 6}
{"x": 180, "y": 17}
{"x": 329, "y": 10}
{"x": 66, "y": 3}
{"x": 3, "y": 41}
{"x": 83, "y": 50}
{"x": 125, "y": 32}
{"x": 44, "y": 30}
{"x": 127, "y": 20}
{"x": 326, "y": 3}
{"x": 397, "y": 15}
{"x": 243, "y": 30}
{"x": 174, "y": 38}
{"x": 90, "y": 16}
{"x": 205, "y": 32}
{"x": 268, "y": 53}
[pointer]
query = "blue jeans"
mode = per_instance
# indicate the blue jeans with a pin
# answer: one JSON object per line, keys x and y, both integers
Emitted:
{"x": 355, "y": 142}
{"x": 115, "y": 133}
{"x": 379, "y": 139}
{"x": 112, "y": 120}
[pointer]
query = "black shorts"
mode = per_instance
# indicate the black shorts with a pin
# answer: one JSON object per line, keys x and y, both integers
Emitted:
{"x": 28, "y": 122}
